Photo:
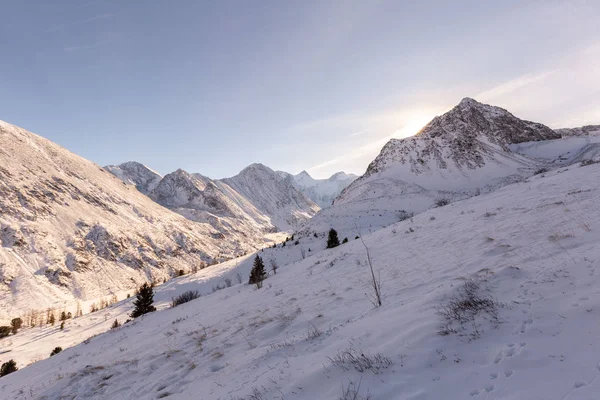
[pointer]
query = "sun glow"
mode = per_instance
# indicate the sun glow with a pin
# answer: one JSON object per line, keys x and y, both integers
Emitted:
{"x": 413, "y": 124}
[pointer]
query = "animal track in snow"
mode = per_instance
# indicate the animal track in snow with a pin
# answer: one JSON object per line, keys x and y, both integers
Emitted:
{"x": 510, "y": 350}
{"x": 525, "y": 325}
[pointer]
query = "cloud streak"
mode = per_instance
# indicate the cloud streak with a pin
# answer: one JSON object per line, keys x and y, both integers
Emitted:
{"x": 513, "y": 85}
{"x": 84, "y": 21}
{"x": 72, "y": 49}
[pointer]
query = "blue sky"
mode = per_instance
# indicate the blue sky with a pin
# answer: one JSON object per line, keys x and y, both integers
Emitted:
{"x": 212, "y": 86}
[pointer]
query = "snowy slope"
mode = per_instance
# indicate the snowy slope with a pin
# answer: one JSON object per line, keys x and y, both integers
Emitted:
{"x": 321, "y": 191}
{"x": 71, "y": 231}
{"x": 565, "y": 151}
{"x": 134, "y": 173}
{"x": 532, "y": 246}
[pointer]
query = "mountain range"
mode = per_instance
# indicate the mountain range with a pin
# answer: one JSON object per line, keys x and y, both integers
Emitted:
{"x": 70, "y": 230}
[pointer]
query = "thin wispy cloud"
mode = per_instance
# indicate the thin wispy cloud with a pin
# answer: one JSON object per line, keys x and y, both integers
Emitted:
{"x": 84, "y": 21}
{"x": 90, "y": 3}
{"x": 71, "y": 49}
{"x": 513, "y": 85}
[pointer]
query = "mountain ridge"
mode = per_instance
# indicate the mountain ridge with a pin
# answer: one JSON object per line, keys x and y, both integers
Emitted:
{"x": 71, "y": 231}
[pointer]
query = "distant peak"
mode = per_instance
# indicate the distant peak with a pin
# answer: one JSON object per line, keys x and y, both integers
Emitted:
{"x": 180, "y": 171}
{"x": 256, "y": 168}
{"x": 132, "y": 167}
{"x": 339, "y": 175}
{"x": 467, "y": 101}
{"x": 132, "y": 163}
{"x": 304, "y": 173}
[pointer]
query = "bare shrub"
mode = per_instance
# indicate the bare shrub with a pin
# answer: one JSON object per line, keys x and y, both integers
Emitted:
{"x": 375, "y": 282}
{"x": 360, "y": 361}
{"x": 403, "y": 215}
{"x": 274, "y": 266}
{"x": 541, "y": 171}
{"x": 313, "y": 332}
{"x": 441, "y": 202}
{"x": 185, "y": 297}
{"x": 352, "y": 392}
{"x": 461, "y": 309}
{"x": 228, "y": 282}
{"x": 217, "y": 288}
{"x": 238, "y": 277}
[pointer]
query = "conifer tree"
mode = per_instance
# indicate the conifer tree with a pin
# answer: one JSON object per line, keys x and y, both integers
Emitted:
{"x": 143, "y": 302}
{"x": 8, "y": 367}
{"x": 332, "y": 240}
{"x": 16, "y": 324}
{"x": 258, "y": 273}
{"x": 56, "y": 351}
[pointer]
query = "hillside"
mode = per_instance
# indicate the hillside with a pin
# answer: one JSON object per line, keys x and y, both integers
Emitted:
{"x": 530, "y": 248}
{"x": 70, "y": 231}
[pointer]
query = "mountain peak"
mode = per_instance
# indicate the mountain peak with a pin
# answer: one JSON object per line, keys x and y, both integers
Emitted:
{"x": 460, "y": 140}
{"x": 468, "y": 101}
{"x": 136, "y": 173}
{"x": 255, "y": 167}
{"x": 338, "y": 176}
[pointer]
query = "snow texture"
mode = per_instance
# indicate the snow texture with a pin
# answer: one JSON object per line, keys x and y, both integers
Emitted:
{"x": 532, "y": 246}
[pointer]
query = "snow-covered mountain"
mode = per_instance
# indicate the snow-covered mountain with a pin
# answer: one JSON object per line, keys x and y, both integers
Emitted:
{"x": 463, "y": 150}
{"x": 245, "y": 208}
{"x": 321, "y": 191}
{"x": 273, "y": 195}
{"x": 70, "y": 231}
{"x": 137, "y": 174}
{"x": 524, "y": 256}
{"x": 474, "y": 148}
{"x": 588, "y": 130}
